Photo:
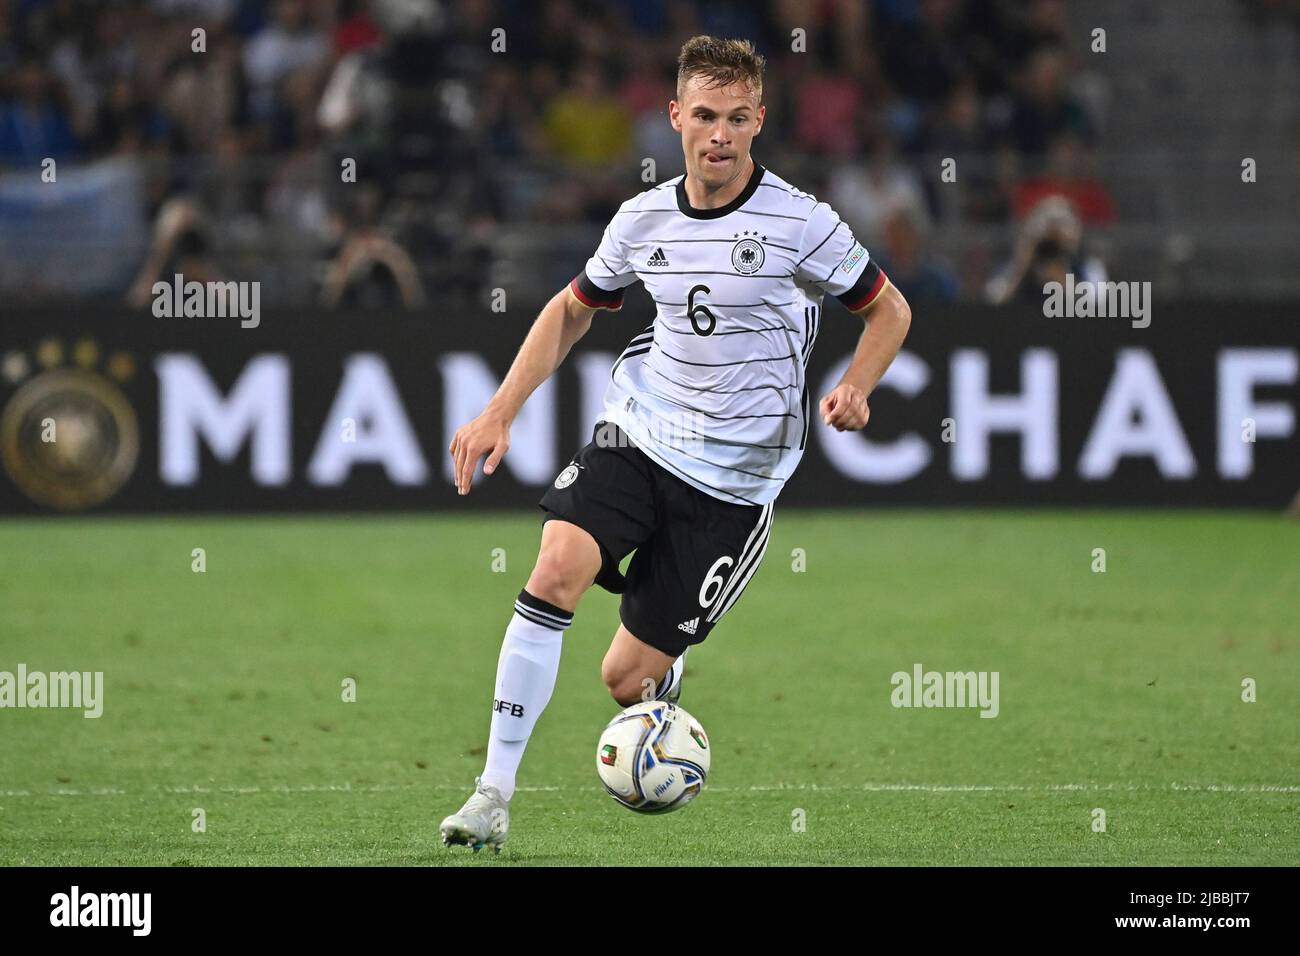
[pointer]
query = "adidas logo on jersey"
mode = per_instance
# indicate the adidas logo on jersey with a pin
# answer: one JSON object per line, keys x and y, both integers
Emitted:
{"x": 689, "y": 626}
{"x": 658, "y": 259}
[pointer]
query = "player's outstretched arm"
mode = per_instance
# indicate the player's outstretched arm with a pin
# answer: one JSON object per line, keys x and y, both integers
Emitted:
{"x": 561, "y": 322}
{"x": 888, "y": 318}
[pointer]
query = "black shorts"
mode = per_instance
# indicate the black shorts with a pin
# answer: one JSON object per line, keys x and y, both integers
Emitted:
{"x": 694, "y": 553}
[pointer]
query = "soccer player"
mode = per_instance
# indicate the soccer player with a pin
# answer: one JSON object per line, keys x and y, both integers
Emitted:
{"x": 705, "y": 416}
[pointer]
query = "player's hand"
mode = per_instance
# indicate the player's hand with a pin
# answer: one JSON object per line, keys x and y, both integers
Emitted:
{"x": 845, "y": 408}
{"x": 489, "y": 434}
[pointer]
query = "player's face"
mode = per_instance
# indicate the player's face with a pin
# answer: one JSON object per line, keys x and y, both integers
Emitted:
{"x": 718, "y": 125}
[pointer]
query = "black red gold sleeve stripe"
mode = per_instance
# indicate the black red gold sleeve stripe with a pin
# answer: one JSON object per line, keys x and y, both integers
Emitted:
{"x": 593, "y": 296}
{"x": 869, "y": 285}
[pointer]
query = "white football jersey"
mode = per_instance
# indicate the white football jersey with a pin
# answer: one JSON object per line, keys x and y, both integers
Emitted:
{"x": 714, "y": 389}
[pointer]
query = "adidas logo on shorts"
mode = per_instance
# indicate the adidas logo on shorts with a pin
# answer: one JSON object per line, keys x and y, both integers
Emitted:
{"x": 658, "y": 259}
{"x": 689, "y": 626}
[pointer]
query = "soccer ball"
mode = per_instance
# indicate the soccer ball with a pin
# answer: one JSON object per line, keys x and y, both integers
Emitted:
{"x": 653, "y": 757}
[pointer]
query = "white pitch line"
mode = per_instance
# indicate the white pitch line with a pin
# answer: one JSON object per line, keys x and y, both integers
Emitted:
{"x": 110, "y": 791}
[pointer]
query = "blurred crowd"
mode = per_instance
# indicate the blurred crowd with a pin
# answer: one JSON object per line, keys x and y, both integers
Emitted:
{"x": 471, "y": 121}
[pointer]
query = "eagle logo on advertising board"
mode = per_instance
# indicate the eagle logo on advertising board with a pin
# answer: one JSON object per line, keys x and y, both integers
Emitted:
{"x": 69, "y": 437}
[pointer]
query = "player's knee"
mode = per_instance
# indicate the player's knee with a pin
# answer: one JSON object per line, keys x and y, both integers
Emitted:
{"x": 555, "y": 580}
{"x": 562, "y": 572}
{"x": 627, "y": 692}
{"x": 624, "y": 686}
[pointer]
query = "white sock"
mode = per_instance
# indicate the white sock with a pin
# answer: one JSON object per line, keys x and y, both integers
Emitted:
{"x": 672, "y": 678}
{"x": 526, "y": 671}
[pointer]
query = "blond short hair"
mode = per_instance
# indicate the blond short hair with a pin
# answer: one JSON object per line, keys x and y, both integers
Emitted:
{"x": 721, "y": 62}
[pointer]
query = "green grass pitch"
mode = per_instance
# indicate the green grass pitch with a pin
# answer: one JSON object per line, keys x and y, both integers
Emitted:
{"x": 1119, "y": 691}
